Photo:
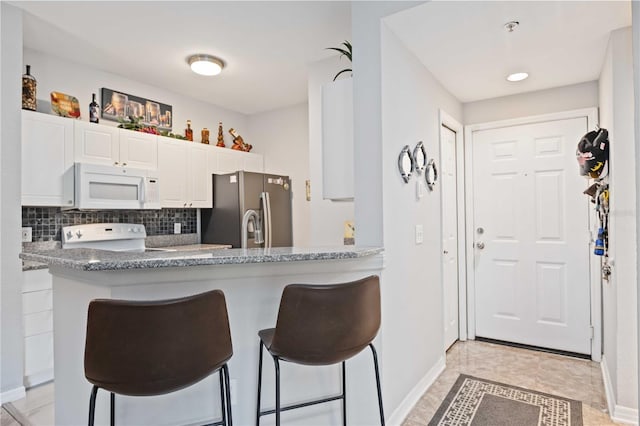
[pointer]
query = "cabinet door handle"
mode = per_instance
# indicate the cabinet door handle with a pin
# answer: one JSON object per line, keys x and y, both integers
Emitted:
{"x": 184, "y": 205}
{"x": 190, "y": 204}
{"x": 115, "y": 164}
{"x": 124, "y": 164}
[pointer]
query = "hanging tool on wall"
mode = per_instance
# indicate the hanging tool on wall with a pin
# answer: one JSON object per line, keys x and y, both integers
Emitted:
{"x": 592, "y": 154}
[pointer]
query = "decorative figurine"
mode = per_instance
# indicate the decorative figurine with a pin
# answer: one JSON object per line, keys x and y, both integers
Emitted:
{"x": 239, "y": 143}
{"x": 220, "y": 136}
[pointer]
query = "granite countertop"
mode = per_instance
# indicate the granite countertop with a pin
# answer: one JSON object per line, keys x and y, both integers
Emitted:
{"x": 102, "y": 260}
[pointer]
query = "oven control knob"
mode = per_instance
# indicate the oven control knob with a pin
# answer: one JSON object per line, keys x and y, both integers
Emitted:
{"x": 130, "y": 230}
{"x": 69, "y": 235}
{"x": 79, "y": 234}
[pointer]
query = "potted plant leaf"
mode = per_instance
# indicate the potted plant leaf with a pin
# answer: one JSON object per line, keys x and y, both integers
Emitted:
{"x": 346, "y": 51}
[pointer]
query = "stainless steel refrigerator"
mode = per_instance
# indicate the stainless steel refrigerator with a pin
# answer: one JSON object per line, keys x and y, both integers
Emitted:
{"x": 234, "y": 196}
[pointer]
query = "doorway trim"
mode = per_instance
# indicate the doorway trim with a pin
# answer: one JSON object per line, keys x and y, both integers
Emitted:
{"x": 447, "y": 120}
{"x": 594, "y": 268}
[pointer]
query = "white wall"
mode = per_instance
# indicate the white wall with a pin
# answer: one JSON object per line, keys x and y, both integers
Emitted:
{"x": 575, "y": 96}
{"x": 282, "y": 136}
{"x": 11, "y": 340}
{"x": 396, "y": 102}
{"x": 326, "y": 217}
{"x": 635, "y": 7}
{"x": 56, "y": 74}
{"x": 620, "y": 293}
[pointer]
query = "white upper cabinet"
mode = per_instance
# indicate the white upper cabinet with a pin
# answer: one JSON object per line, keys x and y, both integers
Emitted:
{"x": 337, "y": 140}
{"x": 108, "y": 145}
{"x": 229, "y": 161}
{"x": 199, "y": 187}
{"x": 96, "y": 144}
{"x": 172, "y": 171}
{"x": 185, "y": 177}
{"x": 139, "y": 150}
{"x": 47, "y": 160}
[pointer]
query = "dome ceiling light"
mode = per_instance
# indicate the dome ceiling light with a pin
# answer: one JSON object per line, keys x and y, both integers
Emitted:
{"x": 205, "y": 64}
{"x": 517, "y": 76}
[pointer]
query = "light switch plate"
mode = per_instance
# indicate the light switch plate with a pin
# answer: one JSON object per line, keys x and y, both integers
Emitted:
{"x": 27, "y": 235}
{"x": 419, "y": 234}
{"x": 177, "y": 228}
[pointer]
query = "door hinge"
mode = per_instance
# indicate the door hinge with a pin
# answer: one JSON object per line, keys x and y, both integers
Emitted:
{"x": 591, "y": 332}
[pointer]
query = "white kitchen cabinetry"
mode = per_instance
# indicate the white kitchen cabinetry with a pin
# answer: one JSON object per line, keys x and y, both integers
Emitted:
{"x": 37, "y": 314}
{"x": 184, "y": 174}
{"x": 229, "y": 161}
{"x": 337, "y": 140}
{"x": 98, "y": 144}
{"x": 47, "y": 160}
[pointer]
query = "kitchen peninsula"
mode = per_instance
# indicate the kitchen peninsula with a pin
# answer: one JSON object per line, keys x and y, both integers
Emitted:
{"x": 252, "y": 280}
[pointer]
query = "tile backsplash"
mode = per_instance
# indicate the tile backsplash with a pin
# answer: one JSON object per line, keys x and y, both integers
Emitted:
{"x": 47, "y": 222}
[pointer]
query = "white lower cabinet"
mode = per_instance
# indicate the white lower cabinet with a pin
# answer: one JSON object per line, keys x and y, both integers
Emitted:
{"x": 37, "y": 312}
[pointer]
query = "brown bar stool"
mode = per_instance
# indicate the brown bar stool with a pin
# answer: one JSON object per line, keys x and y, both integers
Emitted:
{"x": 144, "y": 348}
{"x": 323, "y": 325}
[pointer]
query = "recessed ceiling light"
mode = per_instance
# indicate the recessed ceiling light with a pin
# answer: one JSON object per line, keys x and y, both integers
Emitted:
{"x": 205, "y": 64}
{"x": 517, "y": 76}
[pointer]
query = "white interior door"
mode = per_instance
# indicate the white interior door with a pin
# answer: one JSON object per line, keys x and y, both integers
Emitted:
{"x": 449, "y": 235}
{"x": 530, "y": 233}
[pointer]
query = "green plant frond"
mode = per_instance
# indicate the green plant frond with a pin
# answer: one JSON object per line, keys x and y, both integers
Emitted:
{"x": 344, "y": 70}
{"x": 342, "y": 51}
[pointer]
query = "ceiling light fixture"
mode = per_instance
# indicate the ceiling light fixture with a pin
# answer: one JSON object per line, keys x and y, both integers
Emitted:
{"x": 205, "y": 64}
{"x": 517, "y": 76}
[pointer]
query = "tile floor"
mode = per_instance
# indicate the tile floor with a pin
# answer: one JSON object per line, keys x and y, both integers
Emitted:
{"x": 559, "y": 375}
{"x": 554, "y": 374}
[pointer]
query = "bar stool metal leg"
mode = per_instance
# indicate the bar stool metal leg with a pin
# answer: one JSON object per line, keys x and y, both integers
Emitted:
{"x": 344, "y": 395}
{"x": 375, "y": 364}
{"x": 227, "y": 397}
{"x": 223, "y": 406}
{"x": 92, "y": 405}
{"x": 259, "y": 384}
{"x": 277, "y": 365}
{"x": 113, "y": 409}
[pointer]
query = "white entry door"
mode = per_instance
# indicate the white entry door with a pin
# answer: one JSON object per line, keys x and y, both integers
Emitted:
{"x": 530, "y": 233}
{"x": 449, "y": 235}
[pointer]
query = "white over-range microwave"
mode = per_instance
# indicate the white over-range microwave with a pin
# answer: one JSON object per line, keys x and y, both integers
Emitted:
{"x": 109, "y": 187}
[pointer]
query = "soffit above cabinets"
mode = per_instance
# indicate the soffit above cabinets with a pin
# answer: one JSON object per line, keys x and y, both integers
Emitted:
{"x": 267, "y": 46}
{"x": 466, "y": 47}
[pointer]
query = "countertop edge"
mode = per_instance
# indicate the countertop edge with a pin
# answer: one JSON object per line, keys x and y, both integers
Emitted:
{"x": 197, "y": 258}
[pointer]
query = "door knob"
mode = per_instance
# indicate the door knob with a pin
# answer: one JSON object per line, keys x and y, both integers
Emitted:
{"x": 446, "y": 252}
{"x": 480, "y": 245}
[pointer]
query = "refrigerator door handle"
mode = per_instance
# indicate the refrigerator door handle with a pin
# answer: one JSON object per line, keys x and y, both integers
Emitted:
{"x": 267, "y": 219}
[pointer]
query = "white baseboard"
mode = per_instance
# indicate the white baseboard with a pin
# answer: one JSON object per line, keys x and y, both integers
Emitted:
{"x": 400, "y": 414}
{"x": 12, "y": 395}
{"x": 618, "y": 413}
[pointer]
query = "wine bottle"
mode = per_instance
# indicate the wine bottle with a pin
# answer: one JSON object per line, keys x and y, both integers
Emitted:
{"x": 94, "y": 110}
{"x": 188, "y": 132}
{"x": 29, "y": 90}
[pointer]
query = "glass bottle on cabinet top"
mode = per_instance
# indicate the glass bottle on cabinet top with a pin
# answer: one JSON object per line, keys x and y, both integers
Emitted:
{"x": 29, "y": 90}
{"x": 188, "y": 132}
{"x": 94, "y": 110}
{"x": 205, "y": 135}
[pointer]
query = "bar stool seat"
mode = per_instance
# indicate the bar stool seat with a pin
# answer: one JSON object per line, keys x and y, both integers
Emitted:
{"x": 146, "y": 348}
{"x": 322, "y": 325}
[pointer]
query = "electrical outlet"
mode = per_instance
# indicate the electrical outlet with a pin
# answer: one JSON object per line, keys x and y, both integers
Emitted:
{"x": 27, "y": 236}
{"x": 177, "y": 228}
{"x": 419, "y": 234}
{"x": 233, "y": 387}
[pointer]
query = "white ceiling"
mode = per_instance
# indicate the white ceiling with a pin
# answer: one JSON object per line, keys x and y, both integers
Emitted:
{"x": 466, "y": 48}
{"x": 266, "y": 45}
